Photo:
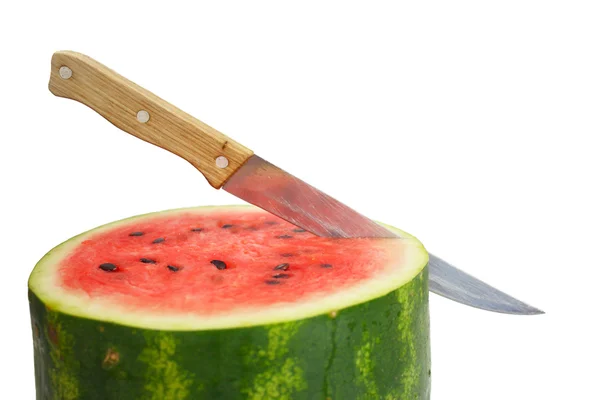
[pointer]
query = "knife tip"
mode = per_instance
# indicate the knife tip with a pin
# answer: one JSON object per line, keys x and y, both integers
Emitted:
{"x": 535, "y": 311}
{"x": 524, "y": 309}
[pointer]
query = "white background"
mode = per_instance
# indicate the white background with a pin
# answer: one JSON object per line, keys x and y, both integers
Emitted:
{"x": 472, "y": 125}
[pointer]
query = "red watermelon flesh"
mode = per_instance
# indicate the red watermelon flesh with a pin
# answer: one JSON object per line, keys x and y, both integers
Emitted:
{"x": 220, "y": 264}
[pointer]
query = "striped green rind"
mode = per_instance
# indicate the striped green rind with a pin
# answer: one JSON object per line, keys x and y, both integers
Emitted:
{"x": 375, "y": 350}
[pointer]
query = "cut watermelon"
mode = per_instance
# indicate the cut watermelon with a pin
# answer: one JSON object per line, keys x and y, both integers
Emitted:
{"x": 229, "y": 303}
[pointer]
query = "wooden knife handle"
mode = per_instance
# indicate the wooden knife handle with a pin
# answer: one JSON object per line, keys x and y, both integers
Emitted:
{"x": 146, "y": 116}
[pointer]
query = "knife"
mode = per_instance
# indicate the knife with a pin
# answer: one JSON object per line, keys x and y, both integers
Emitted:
{"x": 231, "y": 166}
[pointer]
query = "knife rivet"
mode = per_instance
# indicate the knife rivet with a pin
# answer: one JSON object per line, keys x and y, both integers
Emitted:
{"x": 143, "y": 116}
{"x": 222, "y": 162}
{"x": 65, "y": 72}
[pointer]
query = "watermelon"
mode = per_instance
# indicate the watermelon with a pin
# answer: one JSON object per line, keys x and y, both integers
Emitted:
{"x": 229, "y": 303}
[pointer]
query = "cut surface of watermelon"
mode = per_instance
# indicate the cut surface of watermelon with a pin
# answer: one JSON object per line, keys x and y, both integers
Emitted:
{"x": 218, "y": 267}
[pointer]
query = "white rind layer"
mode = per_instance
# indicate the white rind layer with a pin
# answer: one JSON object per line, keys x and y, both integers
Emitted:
{"x": 411, "y": 258}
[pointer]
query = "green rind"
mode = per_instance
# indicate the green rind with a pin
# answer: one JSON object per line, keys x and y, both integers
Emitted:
{"x": 374, "y": 350}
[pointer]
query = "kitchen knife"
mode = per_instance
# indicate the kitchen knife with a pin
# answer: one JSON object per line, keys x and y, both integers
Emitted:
{"x": 228, "y": 165}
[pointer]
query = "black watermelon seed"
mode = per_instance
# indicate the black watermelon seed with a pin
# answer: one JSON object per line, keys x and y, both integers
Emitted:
{"x": 281, "y": 276}
{"x": 197, "y": 229}
{"x": 282, "y": 267}
{"x": 136, "y": 234}
{"x": 284, "y": 237}
{"x": 299, "y": 230}
{"x": 287, "y": 255}
{"x": 173, "y": 268}
{"x": 227, "y": 226}
{"x": 159, "y": 240}
{"x": 271, "y": 223}
{"x": 148, "y": 261}
{"x": 219, "y": 264}
{"x": 108, "y": 267}
{"x": 272, "y": 282}
{"x": 326, "y": 265}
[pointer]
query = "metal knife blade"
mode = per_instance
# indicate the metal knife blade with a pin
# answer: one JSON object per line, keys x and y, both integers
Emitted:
{"x": 267, "y": 186}
{"x": 448, "y": 281}
{"x": 263, "y": 184}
